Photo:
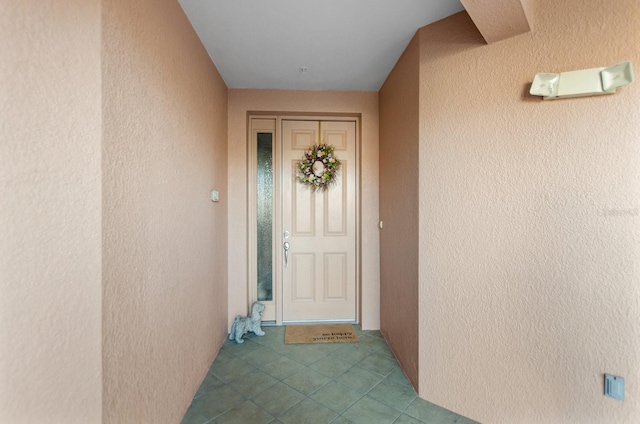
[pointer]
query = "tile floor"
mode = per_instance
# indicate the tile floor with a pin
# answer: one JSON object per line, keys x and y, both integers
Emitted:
{"x": 265, "y": 381}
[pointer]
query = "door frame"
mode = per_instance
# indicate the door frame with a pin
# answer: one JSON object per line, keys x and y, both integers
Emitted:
{"x": 252, "y": 277}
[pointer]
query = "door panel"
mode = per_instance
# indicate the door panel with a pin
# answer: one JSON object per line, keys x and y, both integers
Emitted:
{"x": 335, "y": 206}
{"x": 301, "y": 206}
{"x": 335, "y": 276}
{"x": 303, "y": 267}
{"x": 319, "y": 280}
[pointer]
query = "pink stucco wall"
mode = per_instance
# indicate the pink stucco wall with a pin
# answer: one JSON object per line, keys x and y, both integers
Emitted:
{"x": 50, "y": 198}
{"x": 529, "y": 246}
{"x": 164, "y": 241}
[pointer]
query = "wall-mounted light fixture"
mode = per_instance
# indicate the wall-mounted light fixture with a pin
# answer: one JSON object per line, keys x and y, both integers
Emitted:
{"x": 586, "y": 82}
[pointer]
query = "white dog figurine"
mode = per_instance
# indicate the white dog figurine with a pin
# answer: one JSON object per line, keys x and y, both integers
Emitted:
{"x": 242, "y": 326}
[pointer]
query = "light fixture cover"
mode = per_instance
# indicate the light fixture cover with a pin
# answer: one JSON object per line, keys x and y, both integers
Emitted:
{"x": 545, "y": 84}
{"x": 586, "y": 82}
{"x": 616, "y": 76}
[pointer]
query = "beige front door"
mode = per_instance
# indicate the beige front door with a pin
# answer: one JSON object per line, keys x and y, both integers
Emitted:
{"x": 319, "y": 268}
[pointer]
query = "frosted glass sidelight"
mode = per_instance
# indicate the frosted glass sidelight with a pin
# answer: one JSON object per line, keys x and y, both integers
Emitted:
{"x": 265, "y": 215}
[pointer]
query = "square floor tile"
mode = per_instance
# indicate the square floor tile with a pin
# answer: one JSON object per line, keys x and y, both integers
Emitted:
{"x": 423, "y": 410}
{"x": 231, "y": 369}
{"x": 337, "y": 396}
{"x": 331, "y": 366}
{"x": 405, "y": 419}
{"x": 371, "y": 343}
{"x": 262, "y": 355}
{"x": 386, "y": 351}
{"x": 218, "y": 401}
{"x": 380, "y": 364}
{"x": 278, "y": 399}
{"x": 281, "y": 367}
{"x": 308, "y": 412}
{"x": 224, "y": 355}
{"x": 253, "y": 383}
{"x": 341, "y": 420}
{"x": 367, "y": 411}
{"x": 304, "y": 354}
{"x": 246, "y": 412}
{"x": 327, "y": 348}
{"x": 360, "y": 379}
{"x": 193, "y": 416}
{"x": 397, "y": 376}
{"x": 351, "y": 353}
{"x": 271, "y": 338}
{"x": 210, "y": 383}
{"x": 392, "y": 394}
{"x": 306, "y": 380}
{"x": 280, "y": 348}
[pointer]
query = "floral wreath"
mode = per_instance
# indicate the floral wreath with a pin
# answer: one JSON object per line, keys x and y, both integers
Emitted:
{"x": 318, "y": 167}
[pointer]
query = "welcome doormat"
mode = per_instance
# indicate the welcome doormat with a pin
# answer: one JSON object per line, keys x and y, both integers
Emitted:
{"x": 324, "y": 333}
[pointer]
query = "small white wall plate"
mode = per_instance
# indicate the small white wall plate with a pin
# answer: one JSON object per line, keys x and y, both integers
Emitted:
{"x": 614, "y": 386}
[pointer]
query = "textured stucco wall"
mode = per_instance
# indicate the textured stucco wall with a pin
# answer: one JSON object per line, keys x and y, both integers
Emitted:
{"x": 499, "y": 19}
{"x": 399, "y": 124}
{"x": 50, "y": 239}
{"x": 529, "y": 226}
{"x": 165, "y": 262}
{"x": 329, "y": 102}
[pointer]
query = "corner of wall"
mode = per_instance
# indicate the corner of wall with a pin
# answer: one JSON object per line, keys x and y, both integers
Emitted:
{"x": 399, "y": 247}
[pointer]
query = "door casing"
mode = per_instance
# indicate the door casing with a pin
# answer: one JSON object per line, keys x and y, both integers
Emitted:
{"x": 272, "y": 122}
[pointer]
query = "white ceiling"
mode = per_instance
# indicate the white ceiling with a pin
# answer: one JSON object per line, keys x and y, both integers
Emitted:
{"x": 343, "y": 44}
